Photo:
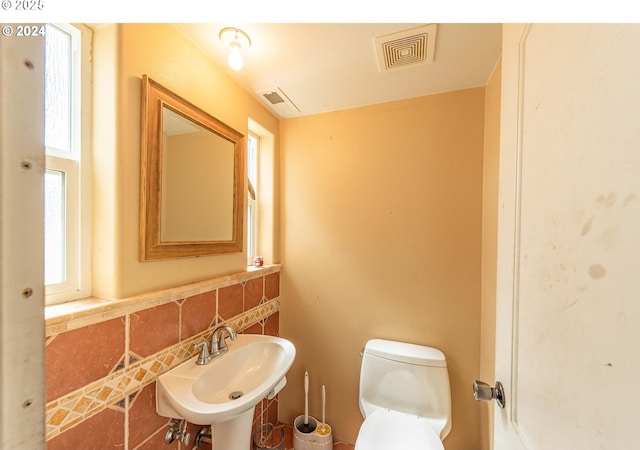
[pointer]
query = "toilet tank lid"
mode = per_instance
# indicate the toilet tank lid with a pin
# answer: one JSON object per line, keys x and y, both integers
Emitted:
{"x": 405, "y": 352}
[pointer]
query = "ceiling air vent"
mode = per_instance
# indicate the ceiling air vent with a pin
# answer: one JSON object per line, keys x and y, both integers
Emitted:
{"x": 408, "y": 48}
{"x": 279, "y": 103}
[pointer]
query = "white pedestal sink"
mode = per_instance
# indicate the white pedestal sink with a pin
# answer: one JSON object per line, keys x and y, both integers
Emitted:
{"x": 224, "y": 392}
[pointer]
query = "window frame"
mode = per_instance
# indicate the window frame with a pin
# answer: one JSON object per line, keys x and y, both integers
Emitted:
{"x": 252, "y": 203}
{"x": 76, "y": 166}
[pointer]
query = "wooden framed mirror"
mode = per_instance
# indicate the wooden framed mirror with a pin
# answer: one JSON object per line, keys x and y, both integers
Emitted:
{"x": 191, "y": 180}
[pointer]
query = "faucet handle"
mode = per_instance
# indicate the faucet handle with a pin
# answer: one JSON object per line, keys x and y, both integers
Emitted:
{"x": 204, "y": 356}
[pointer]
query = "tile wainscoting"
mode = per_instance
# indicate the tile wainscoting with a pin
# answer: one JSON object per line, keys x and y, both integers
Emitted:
{"x": 103, "y": 357}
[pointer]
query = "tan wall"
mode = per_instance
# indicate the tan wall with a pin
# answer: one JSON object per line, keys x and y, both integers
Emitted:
{"x": 123, "y": 54}
{"x": 489, "y": 248}
{"x": 381, "y": 238}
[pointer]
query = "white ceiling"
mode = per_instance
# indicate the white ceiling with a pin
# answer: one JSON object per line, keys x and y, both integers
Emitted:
{"x": 334, "y": 66}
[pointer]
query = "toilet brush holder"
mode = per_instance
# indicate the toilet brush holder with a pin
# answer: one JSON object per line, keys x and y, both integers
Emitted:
{"x": 321, "y": 438}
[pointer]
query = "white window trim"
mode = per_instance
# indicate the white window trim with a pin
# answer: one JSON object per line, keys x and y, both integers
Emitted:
{"x": 78, "y": 181}
{"x": 252, "y": 227}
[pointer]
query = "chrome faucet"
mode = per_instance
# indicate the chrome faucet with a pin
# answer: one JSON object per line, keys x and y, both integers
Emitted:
{"x": 218, "y": 341}
{"x": 218, "y": 345}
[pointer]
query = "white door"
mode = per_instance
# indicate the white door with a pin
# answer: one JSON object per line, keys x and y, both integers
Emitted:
{"x": 22, "y": 393}
{"x": 568, "y": 293}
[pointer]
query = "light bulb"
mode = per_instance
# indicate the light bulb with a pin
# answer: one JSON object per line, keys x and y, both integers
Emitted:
{"x": 235, "y": 58}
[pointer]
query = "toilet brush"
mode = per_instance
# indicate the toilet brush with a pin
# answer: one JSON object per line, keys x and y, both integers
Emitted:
{"x": 324, "y": 429}
{"x": 305, "y": 426}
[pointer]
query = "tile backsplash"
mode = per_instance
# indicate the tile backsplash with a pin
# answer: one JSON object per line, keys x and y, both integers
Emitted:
{"x": 101, "y": 367}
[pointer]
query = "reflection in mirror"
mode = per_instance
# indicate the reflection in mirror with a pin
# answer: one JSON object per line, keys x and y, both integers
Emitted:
{"x": 191, "y": 179}
{"x": 197, "y": 172}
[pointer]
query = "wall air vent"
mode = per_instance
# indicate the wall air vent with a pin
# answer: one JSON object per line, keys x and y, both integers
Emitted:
{"x": 410, "y": 48}
{"x": 278, "y": 101}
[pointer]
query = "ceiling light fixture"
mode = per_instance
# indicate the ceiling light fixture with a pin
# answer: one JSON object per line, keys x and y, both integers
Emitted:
{"x": 236, "y": 40}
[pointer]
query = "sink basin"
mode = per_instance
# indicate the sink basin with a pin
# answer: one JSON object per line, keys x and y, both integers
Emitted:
{"x": 229, "y": 386}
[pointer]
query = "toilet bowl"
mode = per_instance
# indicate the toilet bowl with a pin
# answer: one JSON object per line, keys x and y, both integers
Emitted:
{"x": 386, "y": 430}
{"x": 405, "y": 397}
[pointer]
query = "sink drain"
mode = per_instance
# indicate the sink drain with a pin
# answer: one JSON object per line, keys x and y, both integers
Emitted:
{"x": 235, "y": 395}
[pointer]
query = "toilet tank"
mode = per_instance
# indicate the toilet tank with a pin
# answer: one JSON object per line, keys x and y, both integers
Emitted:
{"x": 407, "y": 378}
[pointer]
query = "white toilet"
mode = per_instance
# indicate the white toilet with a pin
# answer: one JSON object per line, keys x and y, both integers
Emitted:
{"x": 405, "y": 397}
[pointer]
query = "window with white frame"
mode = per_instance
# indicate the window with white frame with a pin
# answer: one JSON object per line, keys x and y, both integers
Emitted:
{"x": 252, "y": 202}
{"x": 67, "y": 184}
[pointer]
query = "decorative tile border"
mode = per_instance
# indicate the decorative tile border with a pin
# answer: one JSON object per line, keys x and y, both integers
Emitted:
{"x": 70, "y": 410}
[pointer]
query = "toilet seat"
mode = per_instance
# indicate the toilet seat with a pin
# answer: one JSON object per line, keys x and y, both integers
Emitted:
{"x": 391, "y": 430}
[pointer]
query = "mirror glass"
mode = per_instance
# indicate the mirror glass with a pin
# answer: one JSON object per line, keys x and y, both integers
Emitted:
{"x": 197, "y": 173}
{"x": 192, "y": 182}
